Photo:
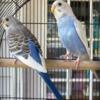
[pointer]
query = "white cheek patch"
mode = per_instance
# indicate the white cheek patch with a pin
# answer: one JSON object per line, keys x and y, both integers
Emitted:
{"x": 58, "y": 14}
{"x": 59, "y": 10}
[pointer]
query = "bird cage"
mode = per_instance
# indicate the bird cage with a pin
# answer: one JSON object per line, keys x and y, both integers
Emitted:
{"x": 18, "y": 82}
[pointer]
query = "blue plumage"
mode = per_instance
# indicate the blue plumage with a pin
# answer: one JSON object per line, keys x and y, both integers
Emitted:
{"x": 46, "y": 77}
{"x": 25, "y": 47}
{"x": 71, "y": 32}
{"x": 34, "y": 52}
{"x": 69, "y": 37}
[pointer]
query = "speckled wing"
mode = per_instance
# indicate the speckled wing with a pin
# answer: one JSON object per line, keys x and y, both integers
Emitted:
{"x": 18, "y": 39}
{"x": 29, "y": 35}
{"x": 26, "y": 48}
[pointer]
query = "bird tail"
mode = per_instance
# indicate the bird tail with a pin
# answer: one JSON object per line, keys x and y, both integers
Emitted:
{"x": 49, "y": 83}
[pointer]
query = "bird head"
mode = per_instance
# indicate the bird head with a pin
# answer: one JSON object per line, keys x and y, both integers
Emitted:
{"x": 6, "y": 22}
{"x": 60, "y": 8}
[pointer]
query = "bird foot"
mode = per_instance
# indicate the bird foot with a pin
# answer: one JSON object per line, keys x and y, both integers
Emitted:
{"x": 16, "y": 60}
{"x": 63, "y": 56}
{"x": 67, "y": 56}
{"x": 77, "y": 62}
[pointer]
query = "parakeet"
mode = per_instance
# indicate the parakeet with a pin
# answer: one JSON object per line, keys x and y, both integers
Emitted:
{"x": 70, "y": 31}
{"x": 25, "y": 47}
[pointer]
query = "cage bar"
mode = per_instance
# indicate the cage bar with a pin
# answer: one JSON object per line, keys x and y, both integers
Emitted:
{"x": 19, "y": 82}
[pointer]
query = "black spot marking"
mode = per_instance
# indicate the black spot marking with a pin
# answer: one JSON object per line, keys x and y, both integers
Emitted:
{"x": 59, "y": 4}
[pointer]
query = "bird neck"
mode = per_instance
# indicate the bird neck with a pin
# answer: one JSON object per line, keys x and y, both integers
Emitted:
{"x": 65, "y": 21}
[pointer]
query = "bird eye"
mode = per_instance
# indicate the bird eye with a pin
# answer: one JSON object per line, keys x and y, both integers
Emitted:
{"x": 59, "y": 4}
{"x": 7, "y": 19}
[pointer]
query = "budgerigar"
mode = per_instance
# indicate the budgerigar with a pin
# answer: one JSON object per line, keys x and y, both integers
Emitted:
{"x": 25, "y": 47}
{"x": 70, "y": 31}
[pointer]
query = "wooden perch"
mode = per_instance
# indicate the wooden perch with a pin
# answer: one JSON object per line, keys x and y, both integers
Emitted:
{"x": 58, "y": 64}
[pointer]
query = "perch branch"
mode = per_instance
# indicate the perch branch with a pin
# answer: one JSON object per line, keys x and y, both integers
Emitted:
{"x": 58, "y": 64}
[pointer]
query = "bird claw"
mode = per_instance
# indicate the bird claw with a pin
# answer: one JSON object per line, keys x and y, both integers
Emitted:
{"x": 16, "y": 60}
{"x": 77, "y": 62}
{"x": 65, "y": 57}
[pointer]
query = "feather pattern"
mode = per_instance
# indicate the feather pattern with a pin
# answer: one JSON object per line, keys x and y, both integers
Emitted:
{"x": 25, "y": 47}
{"x": 18, "y": 40}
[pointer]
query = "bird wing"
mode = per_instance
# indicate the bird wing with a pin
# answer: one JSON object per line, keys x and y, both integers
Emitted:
{"x": 82, "y": 34}
{"x": 27, "y": 50}
{"x": 27, "y": 33}
{"x": 25, "y": 47}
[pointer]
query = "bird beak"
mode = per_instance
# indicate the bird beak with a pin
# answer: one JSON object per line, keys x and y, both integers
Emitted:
{"x": 53, "y": 8}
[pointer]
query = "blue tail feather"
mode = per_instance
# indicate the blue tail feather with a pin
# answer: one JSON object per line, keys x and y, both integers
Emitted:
{"x": 46, "y": 78}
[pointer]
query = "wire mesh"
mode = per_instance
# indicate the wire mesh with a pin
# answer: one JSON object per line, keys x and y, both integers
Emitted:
{"x": 25, "y": 84}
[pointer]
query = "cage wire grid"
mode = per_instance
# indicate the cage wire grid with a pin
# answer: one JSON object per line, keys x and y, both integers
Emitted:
{"x": 25, "y": 84}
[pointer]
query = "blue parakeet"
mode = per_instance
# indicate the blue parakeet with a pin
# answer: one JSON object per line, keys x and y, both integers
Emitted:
{"x": 70, "y": 31}
{"x": 25, "y": 47}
